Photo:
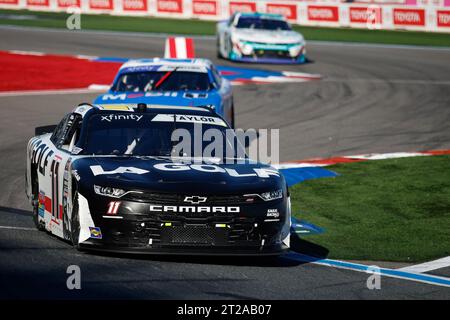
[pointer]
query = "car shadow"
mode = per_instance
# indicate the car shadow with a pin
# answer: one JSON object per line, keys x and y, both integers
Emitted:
{"x": 298, "y": 246}
{"x": 301, "y": 246}
{"x": 309, "y": 61}
{"x": 15, "y": 211}
{"x": 256, "y": 64}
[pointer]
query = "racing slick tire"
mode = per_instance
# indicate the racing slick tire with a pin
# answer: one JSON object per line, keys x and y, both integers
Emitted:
{"x": 75, "y": 222}
{"x": 219, "y": 55}
{"x": 232, "y": 117}
{"x": 35, "y": 200}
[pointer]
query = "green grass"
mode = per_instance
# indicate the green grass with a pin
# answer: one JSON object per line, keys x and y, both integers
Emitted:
{"x": 386, "y": 210}
{"x": 197, "y": 27}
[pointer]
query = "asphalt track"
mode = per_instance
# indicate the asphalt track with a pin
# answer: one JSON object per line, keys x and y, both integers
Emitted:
{"x": 371, "y": 99}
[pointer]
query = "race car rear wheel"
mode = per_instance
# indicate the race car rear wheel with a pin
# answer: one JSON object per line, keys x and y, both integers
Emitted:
{"x": 232, "y": 116}
{"x": 219, "y": 54}
{"x": 75, "y": 221}
{"x": 35, "y": 190}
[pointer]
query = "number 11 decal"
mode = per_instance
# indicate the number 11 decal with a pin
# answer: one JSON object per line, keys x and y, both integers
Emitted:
{"x": 54, "y": 173}
{"x": 113, "y": 207}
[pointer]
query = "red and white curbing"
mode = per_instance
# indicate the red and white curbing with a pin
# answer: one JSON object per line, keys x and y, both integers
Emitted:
{"x": 53, "y": 63}
{"x": 20, "y": 93}
{"x": 323, "y": 162}
{"x": 179, "y": 47}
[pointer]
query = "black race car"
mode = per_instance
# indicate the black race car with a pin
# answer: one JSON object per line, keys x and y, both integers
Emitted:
{"x": 108, "y": 178}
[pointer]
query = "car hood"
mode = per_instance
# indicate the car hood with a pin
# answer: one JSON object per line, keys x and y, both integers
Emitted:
{"x": 175, "y": 98}
{"x": 268, "y": 36}
{"x": 165, "y": 175}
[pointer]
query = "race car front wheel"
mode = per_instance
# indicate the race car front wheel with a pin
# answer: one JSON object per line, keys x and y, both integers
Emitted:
{"x": 75, "y": 221}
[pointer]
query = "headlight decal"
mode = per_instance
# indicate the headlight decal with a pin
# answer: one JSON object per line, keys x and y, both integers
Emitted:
{"x": 109, "y": 191}
{"x": 268, "y": 196}
{"x": 272, "y": 195}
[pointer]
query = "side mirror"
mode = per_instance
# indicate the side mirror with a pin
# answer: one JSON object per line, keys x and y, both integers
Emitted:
{"x": 44, "y": 129}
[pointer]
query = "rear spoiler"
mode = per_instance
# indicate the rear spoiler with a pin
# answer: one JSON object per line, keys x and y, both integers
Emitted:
{"x": 44, "y": 129}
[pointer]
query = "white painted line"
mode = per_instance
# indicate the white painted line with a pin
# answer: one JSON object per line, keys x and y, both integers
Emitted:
{"x": 275, "y": 79}
{"x": 302, "y": 75}
{"x": 48, "y": 92}
{"x": 18, "y": 228}
{"x": 391, "y": 273}
{"x": 40, "y": 54}
{"x": 289, "y": 165}
{"x": 85, "y": 57}
{"x": 395, "y": 81}
{"x": 99, "y": 87}
{"x": 383, "y": 156}
{"x": 428, "y": 266}
{"x": 112, "y": 217}
{"x": 27, "y": 53}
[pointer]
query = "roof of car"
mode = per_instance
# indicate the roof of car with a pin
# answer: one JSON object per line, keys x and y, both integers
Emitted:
{"x": 205, "y": 63}
{"x": 83, "y": 108}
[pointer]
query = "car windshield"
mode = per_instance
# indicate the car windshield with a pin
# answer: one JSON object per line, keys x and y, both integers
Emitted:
{"x": 162, "y": 81}
{"x": 145, "y": 134}
{"x": 265, "y": 24}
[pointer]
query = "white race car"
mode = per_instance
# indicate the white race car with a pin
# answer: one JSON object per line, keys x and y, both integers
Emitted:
{"x": 257, "y": 37}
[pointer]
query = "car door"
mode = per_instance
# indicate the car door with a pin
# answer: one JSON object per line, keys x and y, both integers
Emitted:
{"x": 51, "y": 182}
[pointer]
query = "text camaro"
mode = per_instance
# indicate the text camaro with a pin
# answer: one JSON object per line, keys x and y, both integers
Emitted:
{"x": 111, "y": 180}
